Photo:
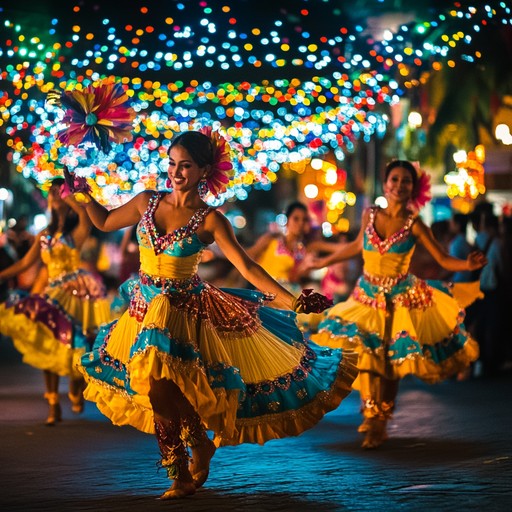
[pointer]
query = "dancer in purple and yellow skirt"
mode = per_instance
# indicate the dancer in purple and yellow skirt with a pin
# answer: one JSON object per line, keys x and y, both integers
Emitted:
{"x": 398, "y": 323}
{"x": 58, "y": 321}
{"x": 188, "y": 357}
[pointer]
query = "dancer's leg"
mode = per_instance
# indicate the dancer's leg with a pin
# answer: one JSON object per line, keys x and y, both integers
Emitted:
{"x": 75, "y": 394}
{"x": 378, "y": 397}
{"x": 166, "y": 399}
{"x": 52, "y": 395}
{"x": 202, "y": 448}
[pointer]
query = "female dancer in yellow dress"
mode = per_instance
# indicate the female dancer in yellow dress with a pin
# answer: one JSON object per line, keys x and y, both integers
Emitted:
{"x": 399, "y": 324}
{"x": 284, "y": 256}
{"x": 187, "y": 356}
{"x": 60, "y": 319}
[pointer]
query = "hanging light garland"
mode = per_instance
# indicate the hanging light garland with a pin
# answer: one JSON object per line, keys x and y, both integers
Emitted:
{"x": 338, "y": 82}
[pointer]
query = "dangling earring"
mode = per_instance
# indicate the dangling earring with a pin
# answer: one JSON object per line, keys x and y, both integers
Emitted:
{"x": 202, "y": 188}
{"x": 168, "y": 183}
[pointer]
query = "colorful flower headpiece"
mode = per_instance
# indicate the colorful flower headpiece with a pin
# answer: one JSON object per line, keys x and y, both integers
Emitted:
{"x": 222, "y": 167}
{"x": 96, "y": 114}
{"x": 422, "y": 191}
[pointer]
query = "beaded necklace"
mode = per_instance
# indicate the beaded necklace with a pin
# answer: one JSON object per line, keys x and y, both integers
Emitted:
{"x": 297, "y": 253}
{"x": 384, "y": 245}
{"x": 179, "y": 235}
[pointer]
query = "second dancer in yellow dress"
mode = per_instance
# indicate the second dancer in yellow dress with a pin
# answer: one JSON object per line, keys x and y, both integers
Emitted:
{"x": 53, "y": 325}
{"x": 398, "y": 323}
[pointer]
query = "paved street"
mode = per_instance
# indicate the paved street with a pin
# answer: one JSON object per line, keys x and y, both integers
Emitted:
{"x": 450, "y": 449}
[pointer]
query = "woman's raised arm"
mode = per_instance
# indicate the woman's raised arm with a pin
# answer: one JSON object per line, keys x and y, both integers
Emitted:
{"x": 112, "y": 220}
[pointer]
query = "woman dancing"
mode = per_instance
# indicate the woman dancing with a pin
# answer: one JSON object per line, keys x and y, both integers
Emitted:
{"x": 187, "y": 357}
{"x": 399, "y": 324}
{"x": 57, "y": 322}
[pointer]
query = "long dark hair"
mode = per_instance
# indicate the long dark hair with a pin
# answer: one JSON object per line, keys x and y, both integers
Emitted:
{"x": 198, "y": 145}
{"x": 71, "y": 220}
{"x": 404, "y": 164}
{"x": 296, "y": 205}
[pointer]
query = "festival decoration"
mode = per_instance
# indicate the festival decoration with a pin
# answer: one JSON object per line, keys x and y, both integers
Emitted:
{"x": 284, "y": 87}
{"x": 467, "y": 181}
{"x": 97, "y": 115}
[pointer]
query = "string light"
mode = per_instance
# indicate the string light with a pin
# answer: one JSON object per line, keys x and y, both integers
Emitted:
{"x": 338, "y": 82}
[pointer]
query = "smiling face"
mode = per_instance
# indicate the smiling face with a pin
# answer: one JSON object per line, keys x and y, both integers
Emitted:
{"x": 184, "y": 173}
{"x": 399, "y": 185}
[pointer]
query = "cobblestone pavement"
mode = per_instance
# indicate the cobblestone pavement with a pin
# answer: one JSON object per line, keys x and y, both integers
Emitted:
{"x": 450, "y": 449}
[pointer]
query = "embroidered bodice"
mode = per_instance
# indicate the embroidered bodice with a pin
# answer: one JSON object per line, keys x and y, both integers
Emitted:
{"x": 390, "y": 256}
{"x": 59, "y": 254}
{"x": 174, "y": 255}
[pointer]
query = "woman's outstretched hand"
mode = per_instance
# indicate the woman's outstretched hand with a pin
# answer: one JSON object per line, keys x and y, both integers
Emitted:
{"x": 312, "y": 262}
{"x": 76, "y": 185}
{"x": 476, "y": 260}
{"x": 310, "y": 301}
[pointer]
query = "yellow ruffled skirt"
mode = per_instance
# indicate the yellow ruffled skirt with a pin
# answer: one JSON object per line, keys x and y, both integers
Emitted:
{"x": 50, "y": 330}
{"x": 415, "y": 329}
{"x": 245, "y": 367}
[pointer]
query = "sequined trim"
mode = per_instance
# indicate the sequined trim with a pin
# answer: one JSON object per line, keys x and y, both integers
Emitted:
{"x": 105, "y": 357}
{"x": 48, "y": 241}
{"x": 378, "y": 302}
{"x": 283, "y": 382}
{"x": 179, "y": 235}
{"x": 170, "y": 284}
{"x": 138, "y": 306}
{"x": 419, "y": 295}
{"x": 384, "y": 245}
{"x": 298, "y": 253}
{"x": 347, "y": 372}
{"x": 170, "y": 360}
{"x": 114, "y": 390}
{"x": 227, "y": 313}
{"x": 385, "y": 283}
{"x": 80, "y": 291}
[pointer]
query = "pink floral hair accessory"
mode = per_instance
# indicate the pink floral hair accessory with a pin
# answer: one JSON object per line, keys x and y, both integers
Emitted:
{"x": 222, "y": 167}
{"x": 422, "y": 191}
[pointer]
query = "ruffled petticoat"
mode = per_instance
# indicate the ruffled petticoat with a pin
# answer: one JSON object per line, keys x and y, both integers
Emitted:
{"x": 412, "y": 327}
{"x": 245, "y": 367}
{"x": 52, "y": 328}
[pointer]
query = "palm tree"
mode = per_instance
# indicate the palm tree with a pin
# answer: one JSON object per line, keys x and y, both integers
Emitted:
{"x": 464, "y": 99}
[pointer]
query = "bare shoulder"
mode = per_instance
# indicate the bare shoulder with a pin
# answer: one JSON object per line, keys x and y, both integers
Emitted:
{"x": 146, "y": 195}
{"x": 418, "y": 226}
{"x": 142, "y": 199}
{"x": 215, "y": 218}
{"x": 366, "y": 213}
